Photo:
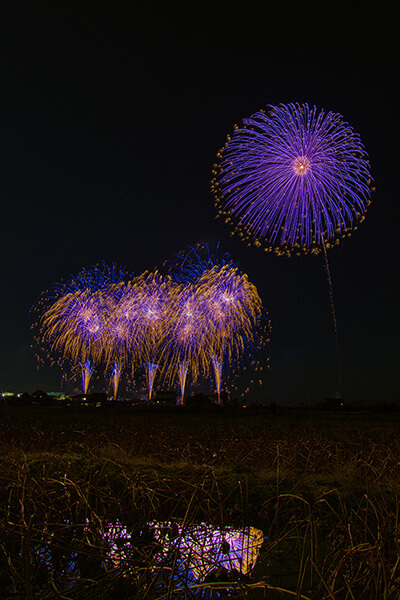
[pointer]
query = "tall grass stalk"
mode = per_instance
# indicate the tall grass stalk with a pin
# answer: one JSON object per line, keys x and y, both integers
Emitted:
{"x": 325, "y": 494}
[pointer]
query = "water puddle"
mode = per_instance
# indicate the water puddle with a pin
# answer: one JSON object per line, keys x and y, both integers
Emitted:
{"x": 160, "y": 560}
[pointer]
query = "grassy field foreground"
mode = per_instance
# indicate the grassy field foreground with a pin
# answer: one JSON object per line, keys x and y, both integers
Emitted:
{"x": 324, "y": 490}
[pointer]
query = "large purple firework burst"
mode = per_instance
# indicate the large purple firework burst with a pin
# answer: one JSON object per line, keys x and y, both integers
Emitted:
{"x": 292, "y": 179}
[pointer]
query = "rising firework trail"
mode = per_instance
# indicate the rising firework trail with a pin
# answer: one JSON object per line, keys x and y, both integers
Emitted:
{"x": 87, "y": 369}
{"x": 115, "y": 378}
{"x": 217, "y": 366}
{"x": 183, "y": 368}
{"x": 151, "y": 369}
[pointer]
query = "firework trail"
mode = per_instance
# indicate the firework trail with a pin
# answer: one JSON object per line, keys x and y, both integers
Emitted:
{"x": 151, "y": 369}
{"x": 291, "y": 178}
{"x": 87, "y": 369}
{"x": 183, "y": 368}
{"x": 115, "y": 378}
{"x": 332, "y": 302}
{"x": 217, "y": 366}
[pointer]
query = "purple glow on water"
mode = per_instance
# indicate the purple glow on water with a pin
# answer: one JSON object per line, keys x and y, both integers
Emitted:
{"x": 186, "y": 553}
{"x": 204, "y": 549}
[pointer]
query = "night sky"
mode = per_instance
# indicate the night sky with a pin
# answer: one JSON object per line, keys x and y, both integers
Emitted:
{"x": 110, "y": 124}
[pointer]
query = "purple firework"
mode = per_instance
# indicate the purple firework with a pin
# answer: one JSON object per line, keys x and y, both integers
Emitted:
{"x": 292, "y": 179}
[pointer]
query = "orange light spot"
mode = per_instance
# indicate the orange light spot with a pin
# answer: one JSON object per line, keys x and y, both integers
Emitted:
{"x": 301, "y": 165}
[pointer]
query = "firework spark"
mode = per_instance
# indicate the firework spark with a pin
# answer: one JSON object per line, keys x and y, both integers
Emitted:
{"x": 98, "y": 277}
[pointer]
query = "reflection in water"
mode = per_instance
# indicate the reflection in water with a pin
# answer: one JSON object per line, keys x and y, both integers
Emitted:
{"x": 120, "y": 547}
{"x": 188, "y": 554}
{"x": 203, "y": 549}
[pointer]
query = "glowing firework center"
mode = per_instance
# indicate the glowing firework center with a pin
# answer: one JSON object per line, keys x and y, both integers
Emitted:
{"x": 301, "y": 166}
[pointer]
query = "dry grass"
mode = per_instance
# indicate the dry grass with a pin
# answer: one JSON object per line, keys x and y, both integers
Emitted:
{"x": 325, "y": 493}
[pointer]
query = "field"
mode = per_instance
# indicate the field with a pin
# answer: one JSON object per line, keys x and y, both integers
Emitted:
{"x": 98, "y": 503}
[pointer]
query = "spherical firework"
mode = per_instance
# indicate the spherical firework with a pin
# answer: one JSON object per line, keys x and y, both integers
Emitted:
{"x": 292, "y": 179}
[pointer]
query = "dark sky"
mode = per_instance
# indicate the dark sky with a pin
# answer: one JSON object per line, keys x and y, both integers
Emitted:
{"x": 110, "y": 124}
